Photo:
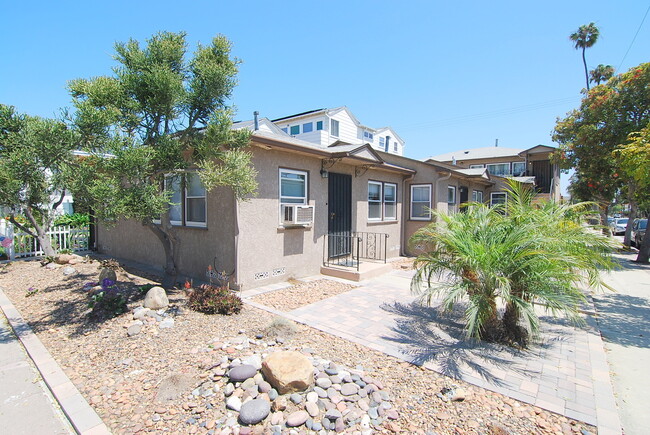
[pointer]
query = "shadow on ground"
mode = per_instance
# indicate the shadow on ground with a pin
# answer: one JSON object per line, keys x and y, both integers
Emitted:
{"x": 623, "y": 319}
{"x": 427, "y": 335}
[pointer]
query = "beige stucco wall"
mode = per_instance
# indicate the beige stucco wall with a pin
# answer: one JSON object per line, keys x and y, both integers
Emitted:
{"x": 199, "y": 247}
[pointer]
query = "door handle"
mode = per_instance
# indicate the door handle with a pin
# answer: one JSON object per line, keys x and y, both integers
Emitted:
{"x": 332, "y": 215}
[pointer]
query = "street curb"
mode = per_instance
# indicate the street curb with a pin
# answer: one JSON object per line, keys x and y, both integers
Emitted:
{"x": 81, "y": 415}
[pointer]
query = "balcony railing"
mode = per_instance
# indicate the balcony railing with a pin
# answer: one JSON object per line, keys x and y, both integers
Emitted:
{"x": 346, "y": 249}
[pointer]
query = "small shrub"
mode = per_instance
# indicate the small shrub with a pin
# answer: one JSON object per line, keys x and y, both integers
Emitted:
{"x": 31, "y": 291}
{"x": 280, "y": 327}
{"x": 211, "y": 299}
{"x": 74, "y": 220}
{"x": 110, "y": 301}
{"x": 145, "y": 288}
{"x": 65, "y": 251}
{"x": 110, "y": 264}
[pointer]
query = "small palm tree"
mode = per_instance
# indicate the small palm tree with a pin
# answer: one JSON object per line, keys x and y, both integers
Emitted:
{"x": 515, "y": 255}
{"x": 585, "y": 37}
{"x": 601, "y": 74}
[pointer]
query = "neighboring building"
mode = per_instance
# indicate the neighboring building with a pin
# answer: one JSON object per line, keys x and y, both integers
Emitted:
{"x": 317, "y": 206}
{"x": 334, "y": 127}
{"x": 532, "y": 165}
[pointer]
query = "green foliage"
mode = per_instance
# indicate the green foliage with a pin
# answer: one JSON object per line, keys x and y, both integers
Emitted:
{"x": 75, "y": 220}
{"x": 519, "y": 253}
{"x": 31, "y": 292}
{"x": 145, "y": 288}
{"x": 585, "y": 37}
{"x": 210, "y": 299}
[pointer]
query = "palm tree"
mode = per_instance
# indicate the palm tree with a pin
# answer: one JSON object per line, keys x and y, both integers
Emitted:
{"x": 585, "y": 37}
{"x": 515, "y": 256}
{"x": 601, "y": 74}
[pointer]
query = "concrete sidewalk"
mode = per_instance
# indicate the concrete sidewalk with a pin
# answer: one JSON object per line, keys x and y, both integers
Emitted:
{"x": 624, "y": 322}
{"x": 26, "y": 405}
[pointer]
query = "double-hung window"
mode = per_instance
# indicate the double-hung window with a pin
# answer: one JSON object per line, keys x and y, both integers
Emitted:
{"x": 368, "y": 135}
{"x": 293, "y": 187}
{"x": 451, "y": 195}
{"x": 421, "y": 202}
{"x": 477, "y": 196}
{"x": 187, "y": 201}
{"x": 382, "y": 201}
{"x": 518, "y": 169}
{"x": 497, "y": 198}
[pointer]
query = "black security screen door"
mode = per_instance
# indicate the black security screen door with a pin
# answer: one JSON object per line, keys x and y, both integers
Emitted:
{"x": 339, "y": 201}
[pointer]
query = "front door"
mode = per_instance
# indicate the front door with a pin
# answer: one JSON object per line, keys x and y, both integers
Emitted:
{"x": 464, "y": 197}
{"x": 339, "y": 200}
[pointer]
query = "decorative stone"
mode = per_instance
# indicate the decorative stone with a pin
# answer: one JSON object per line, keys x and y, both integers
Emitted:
{"x": 333, "y": 414}
{"x": 297, "y": 418}
{"x": 241, "y": 373}
{"x": 312, "y": 409}
{"x": 349, "y": 389}
{"x": 339, "y": 425}
{"x": 280, "y": 404}
{"x": 230, "y": 388}
{"x": 321, "y": 392}
{"x": 273, "y": 394}
{"x": 248, "y": 383}
{"x": 67, "y": 271}
{"x": 254, "y": 411}
{"x": 254, "y": 360}
{"x": 277, "y": 418}
{"x": 234, "y": 403}
{"x": 156, "y": 298}
{"x": 288, "y": 371}
{"x": 264, "y": 387}
{"x": 107, "y": 273}
{"x": 140, "y": 313}
{"x": 324, "y": 383}
{"x": 296, "y": 398}
{"x": 312, "y": 397}
{"x": 166, "y": 323}
{"x": 134, "y": 329}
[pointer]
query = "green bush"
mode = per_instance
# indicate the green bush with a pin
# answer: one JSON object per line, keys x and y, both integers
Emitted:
{"x": 211, "y": 299}
{"x": 110, "y": 301}
{"x": 74, "y": 220}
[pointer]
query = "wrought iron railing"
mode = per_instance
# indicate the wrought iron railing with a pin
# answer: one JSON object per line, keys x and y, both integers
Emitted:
{"x": 373, "y": 246}
{"x": 346, "y": 249}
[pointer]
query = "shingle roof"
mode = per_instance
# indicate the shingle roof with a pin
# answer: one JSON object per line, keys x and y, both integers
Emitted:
{"x": 476, "y": 153}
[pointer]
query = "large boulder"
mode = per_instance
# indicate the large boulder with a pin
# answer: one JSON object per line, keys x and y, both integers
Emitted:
{"x": 288, "y": 371}
{"x": 156, "y": 298}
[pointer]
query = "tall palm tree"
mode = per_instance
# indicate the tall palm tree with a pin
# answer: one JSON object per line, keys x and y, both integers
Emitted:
{"x": 601, "y": 74}
{"x": 585, "y": 37}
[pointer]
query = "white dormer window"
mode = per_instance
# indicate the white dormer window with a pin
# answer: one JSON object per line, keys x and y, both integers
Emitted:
{"x": 368, "y": 136}
{"x": 308, "y": 127}
{"x": 319, "y": 125}
{"x": 395, "y": 147}
{"x": 382, "y": 143}
{"x": 295, "y": 129}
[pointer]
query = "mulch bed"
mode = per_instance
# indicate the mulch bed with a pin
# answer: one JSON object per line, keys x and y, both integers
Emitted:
{"x": 120, "y": 375}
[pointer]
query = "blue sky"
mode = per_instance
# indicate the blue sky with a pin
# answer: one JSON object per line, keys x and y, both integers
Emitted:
{"x": 444, "y": 76}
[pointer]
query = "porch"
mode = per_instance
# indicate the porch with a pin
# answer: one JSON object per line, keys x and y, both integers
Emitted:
{"x": 356, "y": 256}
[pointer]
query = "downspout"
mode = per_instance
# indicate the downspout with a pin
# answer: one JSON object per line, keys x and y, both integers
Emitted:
{"x": 236, "y": 274}
{"x": 405, "y": 214}
{"x": 445, "y": 178}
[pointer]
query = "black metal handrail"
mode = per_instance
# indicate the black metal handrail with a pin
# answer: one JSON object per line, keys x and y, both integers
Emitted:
{"x": 342, "y": 250}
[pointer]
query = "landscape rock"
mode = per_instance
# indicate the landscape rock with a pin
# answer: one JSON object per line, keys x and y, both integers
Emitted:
{"x": 156, "y": 298}
{"x": 254, "y": 411}
{"x": 297, "y": 418}
{"x": 288, "y": 371}
{"x": 67, "y": 271}
{"x": 166, "y": 323}
{"x": 241, "y": 373}
{"x": 234, "y": 403}
{"x": 134, "y": 329}
{"x": 106, "y": 273}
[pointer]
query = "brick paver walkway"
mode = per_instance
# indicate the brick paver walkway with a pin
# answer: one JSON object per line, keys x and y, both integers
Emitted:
{"x": 566, "y": 373}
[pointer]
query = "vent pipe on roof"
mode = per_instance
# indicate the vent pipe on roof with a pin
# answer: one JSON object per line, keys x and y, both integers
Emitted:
{"x": 496, "y": 142}
{"x": 256, "y": 115}
{"x": 453, "y": 160}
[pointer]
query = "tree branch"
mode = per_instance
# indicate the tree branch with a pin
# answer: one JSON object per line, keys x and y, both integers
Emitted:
{"x": 12, "y": 219}
{"x": 58, "y": 203}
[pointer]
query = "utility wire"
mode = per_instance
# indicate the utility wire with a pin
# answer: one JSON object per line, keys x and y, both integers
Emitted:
{"x": 633, "y": 39}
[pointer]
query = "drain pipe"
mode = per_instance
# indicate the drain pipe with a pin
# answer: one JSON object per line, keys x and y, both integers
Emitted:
{"x": 405, "y": 216}
{"x": 445, "y": 178}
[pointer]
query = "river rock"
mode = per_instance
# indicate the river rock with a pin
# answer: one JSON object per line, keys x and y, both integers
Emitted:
{"x": 254, "y": 411}
{"x": 107, "y": 273}
{"x": 297, "y": 418}
{"x": 288, "y": 371}
{"x": 241, "y": 373}
{"x": 156, "y": 298}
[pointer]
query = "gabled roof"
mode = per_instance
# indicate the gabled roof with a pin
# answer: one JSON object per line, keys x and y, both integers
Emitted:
{"x": 379, "y": 130}
{"x": 538, "y": 149}
{"x": 264, "y": 123}
{"x": 297, "y": 115}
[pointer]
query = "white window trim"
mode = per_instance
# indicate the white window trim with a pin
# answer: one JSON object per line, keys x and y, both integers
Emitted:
{"x": 292, "y": 171}
{"x": 453, "y": 189}
{"x": 476, "y": 166}
{"x": 420, "y": 218}
{"x": 188, "y": 222}
{"x": 384, "y": 202}
{"x": 338, "y": 127}
{"x": 475, "y": 195}
{"x": 512, "y": 167}
{"x": 505, "y": 194}
{"x": 380, "y": 201}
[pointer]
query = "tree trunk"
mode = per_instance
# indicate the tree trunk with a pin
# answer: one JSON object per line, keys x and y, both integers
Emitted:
{"x": 584, "y": 61}
{"x": 41, "y": 233}
{"x": 602, "y": 210}
{"x": 644, "y": 249}
{"x": 166, "y": 234}
{"x": 627, "y": 240}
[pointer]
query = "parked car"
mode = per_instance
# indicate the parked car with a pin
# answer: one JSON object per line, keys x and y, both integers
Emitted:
{"x": 638, "y": 231}
{"x": 618, "y": 226}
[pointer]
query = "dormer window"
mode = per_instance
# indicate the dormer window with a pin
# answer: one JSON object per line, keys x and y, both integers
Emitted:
{"x": 295, "y": 129}
{"x": 368, "y": 136}
{"x": 334, "y": 130}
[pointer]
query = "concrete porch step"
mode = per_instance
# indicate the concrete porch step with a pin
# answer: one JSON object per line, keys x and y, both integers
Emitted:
{"x": 366, "y": 270}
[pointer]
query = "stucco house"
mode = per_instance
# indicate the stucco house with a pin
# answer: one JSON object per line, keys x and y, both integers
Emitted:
{"x": 321, "y": 207}
{"x": 532, "y": 165}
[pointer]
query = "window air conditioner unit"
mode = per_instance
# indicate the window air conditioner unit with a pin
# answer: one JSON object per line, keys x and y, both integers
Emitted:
{"x": 297, "y": 214}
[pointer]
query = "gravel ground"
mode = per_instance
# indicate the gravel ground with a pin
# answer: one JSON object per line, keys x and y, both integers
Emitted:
{"x": 301, "y": 294}
{"x": 120, "y": 376}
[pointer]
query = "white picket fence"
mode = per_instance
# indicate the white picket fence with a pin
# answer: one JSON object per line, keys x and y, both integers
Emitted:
{"x": 62, "y": 237}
